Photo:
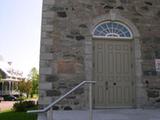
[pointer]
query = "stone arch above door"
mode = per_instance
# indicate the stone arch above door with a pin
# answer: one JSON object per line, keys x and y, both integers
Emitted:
{"x": 114, "y": 15}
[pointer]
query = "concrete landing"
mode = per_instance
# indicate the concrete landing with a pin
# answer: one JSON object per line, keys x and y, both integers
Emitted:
{"x": 109, "y": 114}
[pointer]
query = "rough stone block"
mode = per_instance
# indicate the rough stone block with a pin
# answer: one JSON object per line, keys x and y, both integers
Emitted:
{"x": 80, "y": 37}
{"x": 49, "y": 2}
{"x": 45, "y": 101}
{"x": 47, "y": 28}
{"x": 46, "y": 56}
{"x": 66, "y": 66}
{"x": 79, "y": 91}
{"x": 45, "y": 86}
{"x": 52, "y": 78}
{"x": 88, "y": 49}
{"x": 48, "y": 14}
{"x": 153, "y": 93}
{"x": 62, "y": 14}
{"x": 46, "y": 71}
{"x": 47, "y": 41}
{"x": 53, "y": 93}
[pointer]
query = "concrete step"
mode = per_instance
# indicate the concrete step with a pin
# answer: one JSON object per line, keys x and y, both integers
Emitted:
{"x": 109, "y": 114}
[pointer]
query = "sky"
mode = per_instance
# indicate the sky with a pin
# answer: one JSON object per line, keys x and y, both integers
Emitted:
{"x": 20, "y": 27}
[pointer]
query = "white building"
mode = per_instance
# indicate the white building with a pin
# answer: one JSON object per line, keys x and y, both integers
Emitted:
{"x": 9, "y": 78}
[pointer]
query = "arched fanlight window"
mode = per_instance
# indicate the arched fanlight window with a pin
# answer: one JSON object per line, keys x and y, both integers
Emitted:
{"x": 111, "y": 29}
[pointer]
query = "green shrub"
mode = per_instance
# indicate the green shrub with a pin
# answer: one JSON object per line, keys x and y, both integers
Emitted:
{"x": 24, "y": 106}
{"x": 20, "y": 99}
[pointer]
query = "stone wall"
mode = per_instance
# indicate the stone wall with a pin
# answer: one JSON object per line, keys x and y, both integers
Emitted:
{"x": 65, "y": 31}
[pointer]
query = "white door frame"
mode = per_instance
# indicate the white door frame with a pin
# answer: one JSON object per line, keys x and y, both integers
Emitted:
{"x": 141, "y": 96}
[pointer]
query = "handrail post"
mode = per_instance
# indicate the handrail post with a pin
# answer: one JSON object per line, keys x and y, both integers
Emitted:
{"x": 50, "y": 114}
{"x": 42, "y": 116}
{"x": 90, "y": 102}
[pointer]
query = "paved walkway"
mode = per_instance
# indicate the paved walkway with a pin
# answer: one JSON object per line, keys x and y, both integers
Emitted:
{"x": 6, "y": 105}
{"x": 110, "y": 114}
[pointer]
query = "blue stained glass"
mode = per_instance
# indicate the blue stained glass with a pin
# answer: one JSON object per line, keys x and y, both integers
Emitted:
{"x": 96, "y": 33}
{"x": 107, "y": 30}
{"x": 112, "y": 29}
{"x": 128, "y": 34}
{"x": 124, "y": 29}
{"x": 116, "y": 31}
{"x": 119, "y": 26}
{"x": 104, "y": 31}
{"x": 99, "y": 28}
{"x": 110, "y": 35}
{"x": 109, "y": 25}
{"x": 119, "y": 32}
{"x": 102, "y": 34}
{"x": 122, "y": 35}
{"x": 114, "y": 25}
{"x": 104, "y": 26}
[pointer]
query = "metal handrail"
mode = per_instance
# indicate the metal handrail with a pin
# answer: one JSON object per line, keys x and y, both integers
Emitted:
{"x": 59, "y": 99}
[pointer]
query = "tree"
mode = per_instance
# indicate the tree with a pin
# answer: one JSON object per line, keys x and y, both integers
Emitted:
{"x": 0, "y": 81}
{"x": 29, "y": 87}
{"x": 0, "y": 76}
{"x": 34, "y": 77}
{"x": 25, "y": 87}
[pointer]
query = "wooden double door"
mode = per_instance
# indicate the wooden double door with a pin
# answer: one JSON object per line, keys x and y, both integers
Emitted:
{"x": 113, "y": 72}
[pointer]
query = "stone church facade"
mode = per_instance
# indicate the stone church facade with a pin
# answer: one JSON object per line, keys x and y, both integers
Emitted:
{"x": 113, "y": 42}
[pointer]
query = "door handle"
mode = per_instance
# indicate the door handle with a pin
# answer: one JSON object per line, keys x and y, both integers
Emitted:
{"x": 106, "y": 85}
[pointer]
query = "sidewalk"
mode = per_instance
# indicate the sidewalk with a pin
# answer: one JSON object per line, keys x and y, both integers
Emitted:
{"x": 6, "y": 105}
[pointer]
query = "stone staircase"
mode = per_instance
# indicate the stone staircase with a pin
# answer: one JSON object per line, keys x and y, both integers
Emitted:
{"x": 99, "y": 114}
{"x": 109, "y": 114}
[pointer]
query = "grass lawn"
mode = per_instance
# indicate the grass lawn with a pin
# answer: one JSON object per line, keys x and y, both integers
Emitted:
{"x": 11, "y": 115}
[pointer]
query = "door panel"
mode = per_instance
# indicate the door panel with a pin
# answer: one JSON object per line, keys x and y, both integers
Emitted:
{"x": 113, "y": 73}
